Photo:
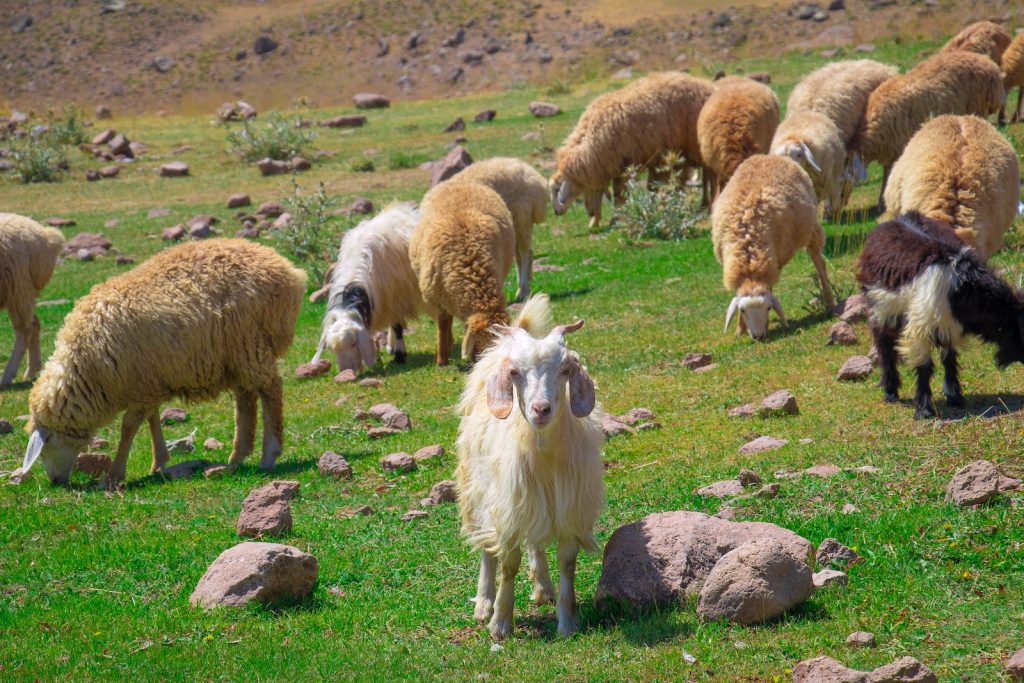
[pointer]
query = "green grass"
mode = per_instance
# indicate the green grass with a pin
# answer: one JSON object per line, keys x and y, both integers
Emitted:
{"x": 95, "y": 587}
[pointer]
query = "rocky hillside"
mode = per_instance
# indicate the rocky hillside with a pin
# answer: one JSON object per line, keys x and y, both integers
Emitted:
{"x": 191, "y": 55}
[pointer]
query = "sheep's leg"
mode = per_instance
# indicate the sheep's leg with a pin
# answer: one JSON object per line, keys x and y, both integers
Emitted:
{"x": 524, "y": 259}
{"x": 885, "y": 345}
{"x": 501, "y": 622}
{"x": 245, "y": 426}
{"x": 485, "y": 588}
{"x": 705, "y": 187}
{"x": 1020, "y": 97}
{"x": 130, "y": 424}
{"x": 951, "y": 380}
{"x": 543, "y": 589}
{"x": 1002, "y": 113}
{"x": 592, "y": 202}
{"x": 15, "y": 360}
{"x": 885, "y": 181}
{"x": 35, "y": 354}
{"x": 445, "y": 341}
{"x": 568, "y": 621}
{"x": 924, "y": 405}
{"x": 156, "y": 433}
{"x": 272, "y": 399}
{"x": 619, "y": 190}
{"x": 819, "y": 265}
{"x": 396, "y": 342}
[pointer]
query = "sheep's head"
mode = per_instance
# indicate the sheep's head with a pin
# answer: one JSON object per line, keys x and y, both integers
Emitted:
{"x": 347, "y": 336}
{"x": 798, "y": 151}
{"x": 753, "y": 310}
{"x": 57, "y": 451}
{"x": 539, "y": 369}
{"x": 563, "y": 193}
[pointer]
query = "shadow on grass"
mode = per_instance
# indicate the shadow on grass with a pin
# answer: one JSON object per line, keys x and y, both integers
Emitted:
{"x": 16, "y": 386}
{"x": 983, "y": 406}
{"x": 796, "y": 324}
{"x": 558, "y": 296}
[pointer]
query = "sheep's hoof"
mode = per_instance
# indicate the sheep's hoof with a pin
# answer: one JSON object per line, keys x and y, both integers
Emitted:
{"x": 500, "y": 628}
{"x": 484, "y": 610}
{"x": 568, "y": 625}
{"x": 543, "y": 595}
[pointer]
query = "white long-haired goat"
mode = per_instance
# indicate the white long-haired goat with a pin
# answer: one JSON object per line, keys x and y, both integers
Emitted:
{"x": 373, "y": 288}
{"x": 531, "y": 475}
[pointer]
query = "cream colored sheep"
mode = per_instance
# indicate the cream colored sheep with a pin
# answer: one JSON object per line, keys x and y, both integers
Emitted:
{"x": 525, "y": 192}
{"x": 983, "y": 38}
{"x": 190, "y": 322}
{"x": 28, "y": 254}
{"x": 1013, "y": 68}
{"x": 737, "y": 121}
{"x": 462, "y": 251}
{"x": 960, "y": 170}
{"x": 633, "y": 126}
{"x": 530, "y": 469}
{"x": 813, "y": 141}
{"x": 764, "y": 215}
{"x": 952, "y": 82}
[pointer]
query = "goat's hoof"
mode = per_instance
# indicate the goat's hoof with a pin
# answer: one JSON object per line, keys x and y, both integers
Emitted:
{"x": 500, "y": 628}
{"x": 543, "y": 596}
{"x": 924, "y": 414}
{"x": 484, "y": 611}
{"x": 892, "y": 398}
{"x": 568, "y": 626}
{"x": 955, "y": 401}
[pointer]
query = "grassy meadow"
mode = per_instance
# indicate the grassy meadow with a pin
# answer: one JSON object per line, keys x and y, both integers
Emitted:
{"x": 95, "y": 586}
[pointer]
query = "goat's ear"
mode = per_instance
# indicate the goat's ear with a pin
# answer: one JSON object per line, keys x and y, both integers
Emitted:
{"x": 499, "y": 391}
{"x": 581, "y": 390}
{"x": 367, "y": 349}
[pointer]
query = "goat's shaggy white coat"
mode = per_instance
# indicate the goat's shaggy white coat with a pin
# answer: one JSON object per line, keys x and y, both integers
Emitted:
{"x": 524, "y": 483}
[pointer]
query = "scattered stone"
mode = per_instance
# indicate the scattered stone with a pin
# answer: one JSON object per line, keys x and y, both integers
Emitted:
{"x": 692, "y": 361}
{"x": 158, "y": 213}
{"x": 721, "y": 489}
{"x": 1015, "y": 667}
{"x": 455, "y": 161}
{"x": 485, "y": 115}
{"x": 849, "y": 509}
{"x": 266, "y": 510}
{"x": 269, "y": 573}
{"x": 365, "y": 100}
{"x": 21, "y": 23}
{"x": 269, "y": 167}
{"x": 185, "y": 444}
{"x": 761, "y": 77}
{"x": 413, "y": 514}
{"x": 184, "y": 470}
{"x": 457, "y": 124}
{"x": 1007, "y": 484}
{"x": 832, "y": 552}
{"x": 104, "y": 137}
{"x": 333, "y": 465}
{"x": 861, "y": 639}
{"x": 855, "y": 309}
{"x": 762, "y": 444}
{"x": 92, "y": 464}
{"x": 270, "y": 209}
{"x": 212, "y": 444}
{"x": 173, "y": 415}
{"x": 544, "y": 109}
{"x": 428, "y": 453}
{"x": 371, "y": 383}
{"x": 109, "y": 171}
{"x": 173, "y": 169}
{"x": 84, "y": 255}
{"x": 353, "y": 121}
{"x": 647, "y": 426}
{"x": 768, "y": 491}
{"x": 613, "y": 426}
{"x": 396, "y": 419}
{"x": 843, "y": 334}
{"x": 238, "y": 200}
{"x": 745, "y": 410}
{"x": 6, "y": 427}
{"x": 175, "y": 233}
{"x": 865, "y": 47}
{"x": 162, "y": 64}
{"x": 781, "y": 402}
{"x": 706, "y": 368}
{"x": 855, "y": 368}
{"x": 381, "y": 432}
{"x": 94, "y": 243}
{"x": 830, "y": 577}
{"x": 398, "y": 462}
{"x": 301, "y": 164}
{"x": 315, "y": 369}
{"x": 264, "y": 44}
{"x": 748, "y": 477}
{"x": 827, "y": 670}
{"x": 348, "y": 375}
{"x": 974, "y": 484}
{"x": 755, "y": 582}
{"x": 361, "y": 511}
{"x": 637, "y": 415}
{"x": 825, "y": 471}
{"x": 361, "y": 207}
{"x": 445, "y": 491}
{"x": 216, "y": 471}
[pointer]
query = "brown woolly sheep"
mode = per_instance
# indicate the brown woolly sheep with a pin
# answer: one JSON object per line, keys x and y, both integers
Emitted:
{"x": 737, "y": 121}
{"x": 960, "y": 170}
{"x": 634, "y": 126}
{"x": 525, "y": 192}
{"x": 813, "y": 141}
{"x": 765, "y": 214}
{"x": 462, "y": 251}
{"x": 982, "y": 38}
{"x": 953, "y": 82}
{"x": 190, "y": 322}
{"x": 1013, "y": 68}
{"x": 28, "y": 254}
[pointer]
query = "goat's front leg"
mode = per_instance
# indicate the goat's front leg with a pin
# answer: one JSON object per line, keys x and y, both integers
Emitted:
{"x": 543, "y": 589}
{"x": 568, "y": 621}
{"x": 501, "y": 622}
{"x": 951, "y": 380}
{"x": 485, "y": 588}
{"x": 885, "y": 345}
{"x": 396, "y": 342}
{"x": 924, "y": 404}
{"x": 156, "y": 434}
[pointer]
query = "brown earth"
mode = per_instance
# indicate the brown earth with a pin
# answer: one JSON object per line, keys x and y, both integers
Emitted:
{"x": 108, "y": 51}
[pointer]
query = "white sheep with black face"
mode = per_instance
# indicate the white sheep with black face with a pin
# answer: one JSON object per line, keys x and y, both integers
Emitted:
{"x": 530, "y": 469}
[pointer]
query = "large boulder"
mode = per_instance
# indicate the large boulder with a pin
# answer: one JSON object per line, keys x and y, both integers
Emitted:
{"x": 269, "y": 573}
{"x": 756, "y": 582}
{"x": 366, "y": 100}
{"x": 974, "y": 484}
{"x": 455, "y": 161}
{"x": 666, "y": 556}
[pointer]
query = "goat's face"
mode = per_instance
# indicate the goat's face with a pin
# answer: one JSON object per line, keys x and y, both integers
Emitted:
{"x": 347, "y": 337}
{"x": 754, "y": 310}
{"x": 540, "y": 370}
{"x": 1011, "y": 346}
{"x": 57, "y": 452}
{"x": 563, "y": 193}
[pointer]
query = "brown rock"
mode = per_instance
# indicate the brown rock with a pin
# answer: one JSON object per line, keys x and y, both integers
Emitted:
{"x": 666, "y": 555}
{"x": 835, "y": 553}
{"x": 974, "y": 484}
{"x": 104, "y": 137}
{"x": 445, "y": 491}
{"x": 485, "y": 115}
{"x": 269, "y": 573}
{"x": 861, "y": 639}
{"x": 333, "y": 465}
{"x": 92, "y": 464}
{"x": 748, "y": 477}
{"x": 458, "y": 124}
{"x": 381, "y": 432}
{"x": 173, "y": 415}
{"x": 455, "y": 161}
{"x": 825, "y": 471}
{"x": 398, "y": 462}
{"x": 7, "y": 428}
{"x": 830, "y": 577}
{"x": 175, "y": 233}
{"x": 637, "y": 415}
{"x": 855, "y": 368}
{"x": 238, "y": 200}
{"x": 544, "y": 109}
{"x": 761, "y": 77}
{"x": 119, "y": 145}
{"x": 428, "y": 453}
{"x": 826, "y": 670}
{"x": 361, "y": 207}
{"x": 396, "y": 419}
{"x": 173, "y": 169}
{"x": 613, "y": 426}
{"x": 904, "y": 670}
{"x": 856, "y": 309}
{"x": 692, "y": 361}
{"x": 301, "y": 164}
{"x": 842, "y": 333}
{"x": 109, "y": 171}
{"x": 270, "y": 209}
{"x": 745, "y": 410}
{"x": 705, "y": 368}
{"x": 344, "y": 376}
{"x": 1015, "y": 667}
{"x": 721, "y": 489}
{"x": 268, "y": 166}
{"x": 379, "y": 410}
{"x": 781, "y": 402}
{"x": 94, "y": 243}
{"x": 365, "y": 100}
{"x": 344, "y": 122}
{"x": 762, "y": 444}
{"x": 212, "y": 444}
{"x": 92, "y": 175}
{"x": 307, "y": 370}
{"x": 184, "y": 470}
{"x": 266, "y": 510}
{"x": 755, "y": 582}
{"x": 216, "y": 471}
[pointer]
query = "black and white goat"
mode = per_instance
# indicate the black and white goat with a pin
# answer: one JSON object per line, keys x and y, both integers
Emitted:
{"x": 927, "y": 288}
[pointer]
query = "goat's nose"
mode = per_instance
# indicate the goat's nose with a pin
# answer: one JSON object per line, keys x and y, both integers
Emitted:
{"x": 541, "y": 408}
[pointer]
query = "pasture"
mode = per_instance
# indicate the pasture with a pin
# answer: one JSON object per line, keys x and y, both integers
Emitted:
{"x": 95, "y": 586}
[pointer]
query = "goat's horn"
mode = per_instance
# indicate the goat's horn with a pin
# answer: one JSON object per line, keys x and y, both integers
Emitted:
{"x": 733, "y": 306}
{"x": 562, "y": 330}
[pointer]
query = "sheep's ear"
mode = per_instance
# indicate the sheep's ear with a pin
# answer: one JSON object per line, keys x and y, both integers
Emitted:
{"x": 777, "y": 307}
{"x": 810, "y": 157}
{"x": 499, "y": 391}
{"x": 733, "y": 307}
{"x": 367, "y": 348}
{"x": 581, "y": 391}
{"x": 35, "y": 447}
{"x": 320, "y": 347}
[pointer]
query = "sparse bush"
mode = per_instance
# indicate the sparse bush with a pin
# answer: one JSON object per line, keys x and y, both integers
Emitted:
{"x": 38, "y": 161}
{"x": 559, "y": 87}
{"x": 363, "y": 165}
{"x": 67, "y": 127}
{"x": 274, "y": 136}
{"x": 665, "y": 213}
{"x": 399, "y": 159}
{"x": 308, "y": 238}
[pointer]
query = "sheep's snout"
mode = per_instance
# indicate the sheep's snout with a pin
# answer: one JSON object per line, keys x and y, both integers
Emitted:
{"x": 351, "y": 343}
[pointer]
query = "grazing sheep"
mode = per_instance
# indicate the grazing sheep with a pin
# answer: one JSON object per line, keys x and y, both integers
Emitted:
{"x": 525, "y": 192}
{"x": 190, "y": 322}
{"x": 530, "y": 470}
{"x": 373, "y": 288}
{"x": 1013, "y": 68}
{"x": 953, "y": 82}
{"x": 813, "y": 141}
{"x": 983, "y": 38}
{"x": 634, "y": 126}
{"x": 737, "y": 121}
{"x": 28, "y": 255}
{"x": 766, "y": 212}
{"x": 960, "y": 170}
{"x": 462, "y": 251}
{"x": 927, "y": 289}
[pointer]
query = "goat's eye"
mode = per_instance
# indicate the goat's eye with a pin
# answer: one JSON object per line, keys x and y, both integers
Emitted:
{"x": 513, "y": 372}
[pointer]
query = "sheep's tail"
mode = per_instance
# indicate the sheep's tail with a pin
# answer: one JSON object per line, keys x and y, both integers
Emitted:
{"x": 535, "y": 316}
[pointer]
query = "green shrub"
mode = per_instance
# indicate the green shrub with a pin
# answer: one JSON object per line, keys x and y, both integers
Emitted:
{"x": 67, "y": 127}
{"x": 38, "y": 161}
{"x": 399, "y": 159}
{"x": 308, "y": 238}
{"x": 274, "y": 136}
{"x": 668, "y": 212}
{"x": 363, "y": 165}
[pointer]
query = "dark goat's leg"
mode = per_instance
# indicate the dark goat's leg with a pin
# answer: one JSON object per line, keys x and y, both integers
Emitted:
{"x": 951, "y": 381}
{"x": 924, "y": 404}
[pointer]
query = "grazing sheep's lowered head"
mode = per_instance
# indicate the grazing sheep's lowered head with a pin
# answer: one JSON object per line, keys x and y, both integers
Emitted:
{"x": 798, "y": 151}
{"x": 57, "y": 451}
{"x": 753, "y": 308}
{"x": 535, "y": 373}
{"x": 563, "y": 193}
{"x": 345, "y": 334}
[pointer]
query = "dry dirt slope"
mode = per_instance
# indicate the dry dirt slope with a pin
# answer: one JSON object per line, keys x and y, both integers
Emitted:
{"x": 190, "y": 55}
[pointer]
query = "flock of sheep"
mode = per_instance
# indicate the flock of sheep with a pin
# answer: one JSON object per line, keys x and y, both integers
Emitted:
{"x": 205, "y": 317}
